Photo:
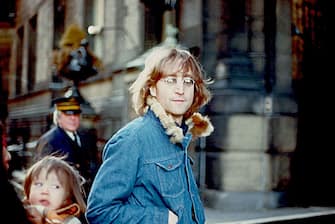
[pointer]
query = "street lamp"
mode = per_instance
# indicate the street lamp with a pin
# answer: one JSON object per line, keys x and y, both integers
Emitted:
{"x": 94, "y": 29}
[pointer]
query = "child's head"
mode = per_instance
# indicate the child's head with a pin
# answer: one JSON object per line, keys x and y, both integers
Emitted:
{"x": 53, "y": 183}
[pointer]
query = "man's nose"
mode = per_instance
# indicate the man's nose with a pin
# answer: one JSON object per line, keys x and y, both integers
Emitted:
{"x": 179, "y": 87}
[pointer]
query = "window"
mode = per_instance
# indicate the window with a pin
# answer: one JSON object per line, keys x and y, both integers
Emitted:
{"x": 154, "y": 21}
{"x": 94, "y": 15}
{"x": 19, "y": 55}
{"x": 59, "y": 17}
{"x": 32, "y": 53}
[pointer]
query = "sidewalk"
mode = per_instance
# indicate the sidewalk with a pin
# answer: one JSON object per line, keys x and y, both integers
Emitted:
{"x": 258, "y": 207}
{"x": 215, "y": 216}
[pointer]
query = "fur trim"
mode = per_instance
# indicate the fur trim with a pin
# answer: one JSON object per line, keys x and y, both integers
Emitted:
{"x": 198, "y": 125}
{"x": 167, "y": 121}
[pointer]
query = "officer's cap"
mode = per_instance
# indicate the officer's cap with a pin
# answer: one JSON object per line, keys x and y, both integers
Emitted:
{"x": 69, "y": 104}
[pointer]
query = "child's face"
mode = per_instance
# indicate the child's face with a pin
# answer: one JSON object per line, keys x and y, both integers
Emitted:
{"x": 47, "y": 190}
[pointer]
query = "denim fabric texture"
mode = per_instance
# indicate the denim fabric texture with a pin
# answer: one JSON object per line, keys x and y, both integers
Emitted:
{"x": 143, "y": 176}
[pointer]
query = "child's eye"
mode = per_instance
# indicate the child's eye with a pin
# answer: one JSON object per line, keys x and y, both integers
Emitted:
{"x": 38, "y": 184}
{"x": 55, "y": 186}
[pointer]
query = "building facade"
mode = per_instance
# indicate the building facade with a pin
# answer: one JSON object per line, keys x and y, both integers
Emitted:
{"x": 248, "y": 47}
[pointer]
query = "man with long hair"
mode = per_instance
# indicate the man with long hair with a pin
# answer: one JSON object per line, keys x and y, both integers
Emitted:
{"x": 146, "y": 174}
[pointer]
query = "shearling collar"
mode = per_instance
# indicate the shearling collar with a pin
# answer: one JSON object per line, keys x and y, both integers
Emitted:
{"x": 198, "y": 125}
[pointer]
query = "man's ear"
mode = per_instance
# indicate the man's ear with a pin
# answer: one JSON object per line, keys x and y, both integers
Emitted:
{"x": 152, "y": 90}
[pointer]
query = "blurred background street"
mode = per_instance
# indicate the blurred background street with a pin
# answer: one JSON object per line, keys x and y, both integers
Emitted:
{"x": 271, "y": 63}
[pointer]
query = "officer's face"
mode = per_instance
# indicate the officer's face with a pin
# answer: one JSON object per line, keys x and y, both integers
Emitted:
{"x": 69, "y": 122}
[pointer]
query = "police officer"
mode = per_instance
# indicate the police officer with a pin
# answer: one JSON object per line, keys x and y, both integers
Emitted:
{"x": 64, "y": 138}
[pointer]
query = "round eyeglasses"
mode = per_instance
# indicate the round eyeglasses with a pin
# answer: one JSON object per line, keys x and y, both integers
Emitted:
{"x": 173, "y": 80}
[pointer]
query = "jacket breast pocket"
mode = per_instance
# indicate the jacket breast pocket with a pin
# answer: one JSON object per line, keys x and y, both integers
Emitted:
{"x": 170, "y": 177}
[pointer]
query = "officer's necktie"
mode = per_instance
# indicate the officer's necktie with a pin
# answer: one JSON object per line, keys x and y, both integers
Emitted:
{"x": 76, "y": 139}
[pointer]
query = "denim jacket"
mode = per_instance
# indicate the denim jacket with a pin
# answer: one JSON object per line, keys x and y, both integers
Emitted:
{"x": 143, "y": 176}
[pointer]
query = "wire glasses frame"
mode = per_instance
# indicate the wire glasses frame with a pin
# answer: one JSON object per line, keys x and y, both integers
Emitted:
{"x": 173, "y": 80}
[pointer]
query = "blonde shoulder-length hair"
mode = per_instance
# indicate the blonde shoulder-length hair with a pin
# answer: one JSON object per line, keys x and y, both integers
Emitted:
{"x": 164, "y": 61}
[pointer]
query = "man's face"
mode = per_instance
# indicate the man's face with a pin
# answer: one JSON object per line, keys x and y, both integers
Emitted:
{"x": 175, "y": 93}
{"x": 69, "y": 122}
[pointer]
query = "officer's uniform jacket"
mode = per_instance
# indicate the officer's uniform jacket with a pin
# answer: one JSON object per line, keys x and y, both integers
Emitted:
{"x": 56, "y": 141}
